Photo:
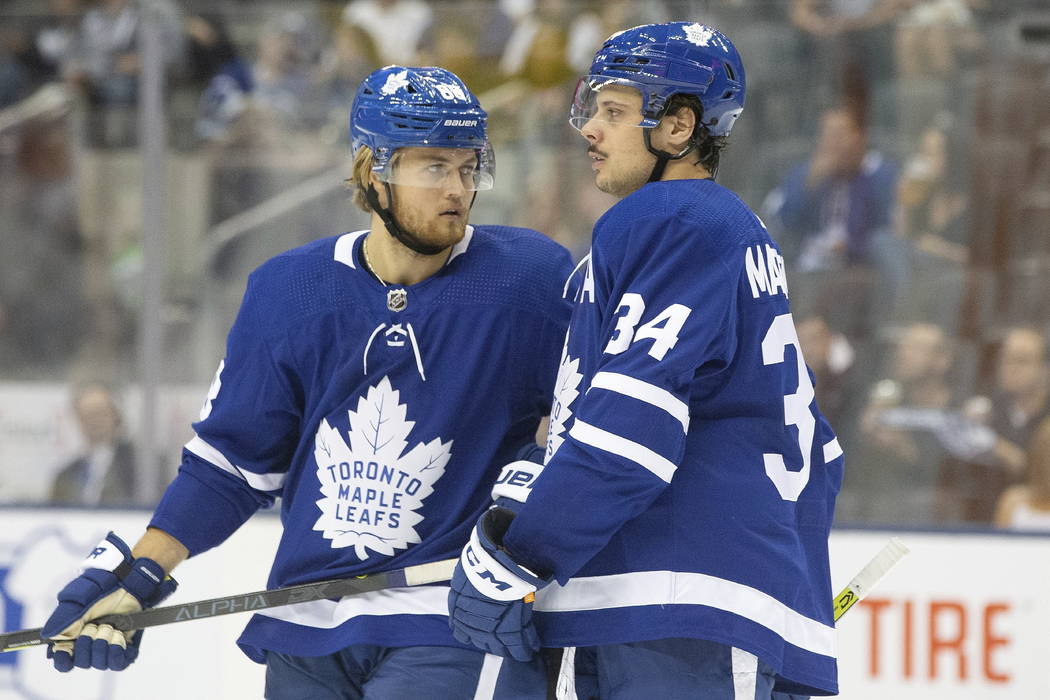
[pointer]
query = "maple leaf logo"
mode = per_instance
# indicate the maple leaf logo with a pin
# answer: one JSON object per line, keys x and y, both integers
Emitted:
{"x": 566, "y": 389}
{"x": 700, "y": 35}
{"x": 394, "y": 82}
{"x": 371, "y": 488}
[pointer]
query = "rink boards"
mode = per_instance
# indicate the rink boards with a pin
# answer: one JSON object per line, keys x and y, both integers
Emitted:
{"x": 963, "y": 616}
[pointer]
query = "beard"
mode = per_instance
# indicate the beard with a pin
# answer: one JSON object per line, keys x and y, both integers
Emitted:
{"x": 428, "y": 234}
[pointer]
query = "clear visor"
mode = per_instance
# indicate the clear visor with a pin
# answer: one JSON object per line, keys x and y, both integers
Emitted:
{"x": 471, "y": 169}
{"x": 612, "y": 101}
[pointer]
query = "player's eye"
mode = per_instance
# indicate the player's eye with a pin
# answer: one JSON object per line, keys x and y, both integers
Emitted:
{"x": 437, "y": 172}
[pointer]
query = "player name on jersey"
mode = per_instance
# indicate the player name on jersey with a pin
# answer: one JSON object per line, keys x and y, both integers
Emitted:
{"x": 765, "y": 270}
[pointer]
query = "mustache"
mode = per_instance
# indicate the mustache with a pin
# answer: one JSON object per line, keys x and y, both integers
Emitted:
{"x": 592, "y": 151}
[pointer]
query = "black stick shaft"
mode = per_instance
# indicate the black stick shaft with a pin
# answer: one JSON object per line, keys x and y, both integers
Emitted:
{"x": 259, "y": 600}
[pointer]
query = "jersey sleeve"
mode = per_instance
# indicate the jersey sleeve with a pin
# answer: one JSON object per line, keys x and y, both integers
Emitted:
{"x": 668, "y": 319}
{"x": 238, "y": 459}
{"x": 552, "y": 332}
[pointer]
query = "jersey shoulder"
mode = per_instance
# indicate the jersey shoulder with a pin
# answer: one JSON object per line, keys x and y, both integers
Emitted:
{"x": 522, "y": 247}
{"x": 510, "y": 266}
{"x": 296, "y": 284}
{"x": 680, "y": 215}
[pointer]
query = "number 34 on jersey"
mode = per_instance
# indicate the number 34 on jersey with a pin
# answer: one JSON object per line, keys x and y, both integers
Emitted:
{"x": 799, "y": 407}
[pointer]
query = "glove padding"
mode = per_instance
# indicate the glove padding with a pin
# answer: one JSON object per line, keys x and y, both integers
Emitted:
{"x": 516, "y": 479}
{"x": 111, "y": 582}
{"x": 490, "y": 601}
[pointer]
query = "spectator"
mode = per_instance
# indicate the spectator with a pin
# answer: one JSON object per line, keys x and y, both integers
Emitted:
{"x": 1027, "y": 506}
{"x": 453, "y": 44}
{"x": 282, "y": 72}
{"x": 994, "y": 458}
{"x": 856, "y": 34}
{"x": 931, "y": 34}
{"x": 104, "y": 474}
{"x": 537, "y": 50}
{"x": 348, "y": 58}
{"x": 42, "y": 280}
{"x": 397, "y": 27}
{"x": 14, "y": 76}
{"x": 932, "y": 196}
{"x": 54, "y": 41}
{"x": 839, "y": 17}
{"x": 107, "y": 64}
{"x": 933, "y": 209}
{"x": 830, "y": 357}
{"x": 895, "y": 464}
{"x": 836, "y": 208}
{"x": 218, "y": 72}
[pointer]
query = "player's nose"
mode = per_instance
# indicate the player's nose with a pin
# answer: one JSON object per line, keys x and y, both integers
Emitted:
{"x": 590, "y": 130}
{"x": 454, "y": 187}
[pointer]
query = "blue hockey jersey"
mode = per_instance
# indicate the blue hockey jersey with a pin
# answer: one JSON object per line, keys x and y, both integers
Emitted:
{"x": 381, "y": 418}
{"x": 690, "y": 479}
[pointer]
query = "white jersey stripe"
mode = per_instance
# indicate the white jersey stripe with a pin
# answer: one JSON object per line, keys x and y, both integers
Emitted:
{"x": 688, "y": 588}
{"x": 643, "y": 391}
{"x": 259, "y": 482}
{"x": 832, "y": 450}
{"x": 329, "y": 614}
{"x": 565, "y": 289}
{"x": 344, "y": 248}
{"x": 745, "y": 674}
{"x": 565, "y": 688}
{"x": 463, "y": 244}
{"x": 610, "y": 442}
{"x": 490, "y": 669}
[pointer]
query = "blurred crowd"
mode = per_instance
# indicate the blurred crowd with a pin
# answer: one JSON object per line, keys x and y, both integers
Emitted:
{"x": 899, "y": 151}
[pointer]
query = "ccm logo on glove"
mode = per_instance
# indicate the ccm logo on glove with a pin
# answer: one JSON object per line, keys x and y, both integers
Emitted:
{"x": 489, "y": 576}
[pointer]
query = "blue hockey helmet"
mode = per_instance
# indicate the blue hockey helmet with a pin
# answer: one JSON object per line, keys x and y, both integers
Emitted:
{"x": 398, "y": 107}
{"x": 661, "y": 60}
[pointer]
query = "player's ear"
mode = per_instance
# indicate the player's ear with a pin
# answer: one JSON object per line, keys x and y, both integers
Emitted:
{"x": 678, "y": 127}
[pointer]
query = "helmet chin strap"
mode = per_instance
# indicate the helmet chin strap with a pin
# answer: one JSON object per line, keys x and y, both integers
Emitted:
{"x": 405, "y": 238}
{"x": 663, "y": 158}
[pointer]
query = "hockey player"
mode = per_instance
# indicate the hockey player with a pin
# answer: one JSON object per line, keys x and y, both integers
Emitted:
{"x": 690, "y": 478}
{"x": 374, "y": 381}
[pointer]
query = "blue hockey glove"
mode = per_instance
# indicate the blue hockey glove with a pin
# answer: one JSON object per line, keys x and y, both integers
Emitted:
{"x": 516, "y": 480}
{"x": 111, "y": 582}
{"x": 490, "y": 601}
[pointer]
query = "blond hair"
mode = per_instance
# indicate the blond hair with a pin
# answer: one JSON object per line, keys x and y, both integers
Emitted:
{"x": 358, "y": 182}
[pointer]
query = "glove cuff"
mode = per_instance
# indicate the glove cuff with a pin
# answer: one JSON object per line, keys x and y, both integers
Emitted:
{"x": 146, "y": 580}
{"x": 515, "y": 483}
{"x": 111, "y": 554}
{"x": 489, "y": 567}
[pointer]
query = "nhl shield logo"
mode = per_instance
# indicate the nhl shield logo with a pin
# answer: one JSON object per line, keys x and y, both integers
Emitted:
{"x": 397, "y": 299}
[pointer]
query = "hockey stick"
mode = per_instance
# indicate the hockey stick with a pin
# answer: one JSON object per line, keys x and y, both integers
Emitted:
{"x": 418, "y": 575}
{"x": 433, "y": 572}
{"x": 864, "y": 581}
